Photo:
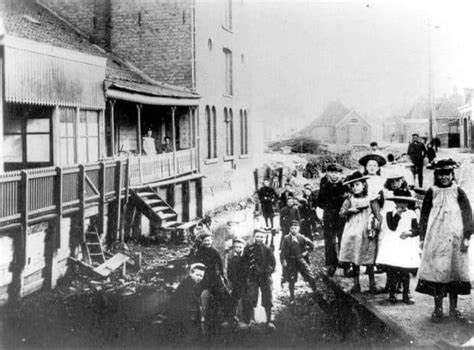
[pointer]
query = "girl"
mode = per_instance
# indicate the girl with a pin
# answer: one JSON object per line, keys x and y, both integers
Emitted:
{"x": 358, "y": 242}
{"x": 445, "y": 229}
{"x": 372, "y": 164}
{"x": 399, "y": 253}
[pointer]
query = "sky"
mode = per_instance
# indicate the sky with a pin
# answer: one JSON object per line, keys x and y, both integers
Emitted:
{"x": 374, "y": 57}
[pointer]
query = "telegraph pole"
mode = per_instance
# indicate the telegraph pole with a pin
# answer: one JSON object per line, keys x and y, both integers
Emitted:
{"x": 430, "y": 80}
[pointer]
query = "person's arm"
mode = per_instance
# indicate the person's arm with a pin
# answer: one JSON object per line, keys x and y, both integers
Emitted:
{"x": 375, "y": 207}
{"x": 344, "y": 212}
{"x": 260, "y": 195}
{"x": 271, "y": 261}
{"x": 322, "y": 198}
{"x": 466, "y": 213}
{"x": 392, "y": 220}
{"x": 219, "y": 265}
{"x": 415, "y": 228}
{"x": 425, "y": 213}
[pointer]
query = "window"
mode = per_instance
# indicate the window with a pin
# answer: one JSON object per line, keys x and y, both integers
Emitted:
{"x": 67, "y": 135}
{"x": 88, "y": 142}
{"x": 229, "y": 132}
{"x": 211, "y": 132}
{"x": 27, "y": 135}
{"x": 243, "y": 133}
{"x": 228, "y": 14}
{"x": 228, "y": 72}
{"x": 214, "y": 124}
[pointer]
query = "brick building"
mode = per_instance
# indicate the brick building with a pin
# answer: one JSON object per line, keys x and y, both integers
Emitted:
{"x": 197, "y": 45}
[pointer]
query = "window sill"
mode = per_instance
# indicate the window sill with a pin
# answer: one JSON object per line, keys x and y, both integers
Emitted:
{"x": 211, "y": 161}
{"x": 243, "y": 156}
{"x": 228, "y": 158}
{"x": 227, "y": 29}
{"x": 227, "y": 95}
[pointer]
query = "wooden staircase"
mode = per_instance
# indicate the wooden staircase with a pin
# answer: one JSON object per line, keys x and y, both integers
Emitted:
{"x": 157, "y": 210}
{"x": 93, "y": 248}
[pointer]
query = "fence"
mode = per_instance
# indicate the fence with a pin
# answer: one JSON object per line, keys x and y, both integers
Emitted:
{"x": 33, "y": 193}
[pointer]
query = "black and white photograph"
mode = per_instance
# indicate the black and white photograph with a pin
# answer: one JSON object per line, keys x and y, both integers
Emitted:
{"x": 236, "y": 174}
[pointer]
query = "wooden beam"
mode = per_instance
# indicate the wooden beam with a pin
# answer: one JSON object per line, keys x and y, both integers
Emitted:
{"x": 199, "y": 198}
{"x": 185, "y": 201}
{"x": 139, "y": 129}
{"x": 55, "y": 241}
{"x": 173, "y": 135}
{"x": 81, "y": 194}
{"x": 102, "y": 186}
{"x": 118, "y": 202}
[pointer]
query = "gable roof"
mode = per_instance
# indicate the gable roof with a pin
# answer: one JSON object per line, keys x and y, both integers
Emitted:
{"x": 332, "y": 115}
{"x": 350, "y": 115}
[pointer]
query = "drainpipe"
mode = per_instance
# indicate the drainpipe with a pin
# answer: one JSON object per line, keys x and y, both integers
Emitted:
{"x": 173, "y": 134}
{"x": 193, "y": 45}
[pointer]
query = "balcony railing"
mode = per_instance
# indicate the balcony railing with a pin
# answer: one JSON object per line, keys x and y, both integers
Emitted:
{"x": 33, "y": 193}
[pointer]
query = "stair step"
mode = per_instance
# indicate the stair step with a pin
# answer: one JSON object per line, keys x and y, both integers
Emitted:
{"x": 164, "y": 216}
{"x": 167, "y": 224}
{"x": 146, "y": 194}
{"x": 188, "y": 224}
{"x": 160, "y": 208}
{"x": 153, "y": 201}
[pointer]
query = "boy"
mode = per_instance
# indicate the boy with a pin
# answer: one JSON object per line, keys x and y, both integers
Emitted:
{"x": 258, "y": 264}
{"x": 293, "y": 252}
{"x": 235, "y": 275}
{"x": 267, "y": 197}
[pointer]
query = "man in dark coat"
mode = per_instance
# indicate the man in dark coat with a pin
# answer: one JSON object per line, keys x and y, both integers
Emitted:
{"x": 184, "y": 311}
{"x": 258, "y": 263}
{"x": 211, "y": 296}
{"x": 293, "y": 252}
{"x": 267, "y": 197}
{"x": 417, "y": 152}
{"x": 331, "y": 196}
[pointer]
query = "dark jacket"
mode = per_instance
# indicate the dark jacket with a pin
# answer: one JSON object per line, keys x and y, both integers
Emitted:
{"x": 284, "y": 197}
{"x": 417, "y": 152}
{"x": 257, "y": 260}
{"x": 267, "y": 197}
{"x": 235, "y": 270}
{"x": 214, "y": 268}
{"x": 184, "y": 303}
{"x": 331, "y": 196}
{"x": 295, "y": 250}
{"x": 287, "y": 215}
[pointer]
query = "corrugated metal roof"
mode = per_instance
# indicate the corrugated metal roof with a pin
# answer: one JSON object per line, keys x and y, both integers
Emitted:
{"x": 152, "y": 90}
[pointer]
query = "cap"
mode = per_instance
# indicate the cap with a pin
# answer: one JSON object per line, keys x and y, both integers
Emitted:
{"x": 259, "y": 230}
{"x": 238, "y": 240}
{"x": 334, "y": 167}
{"x": 198, "y": 266}
{"x": 295, "y": 223}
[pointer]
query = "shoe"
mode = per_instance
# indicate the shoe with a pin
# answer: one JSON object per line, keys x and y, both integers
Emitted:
{"x": 457, "y": 315}
{"x": 391, "y": 299}
{"x": 437, "y": 316}
{"x": 407, "y": 299}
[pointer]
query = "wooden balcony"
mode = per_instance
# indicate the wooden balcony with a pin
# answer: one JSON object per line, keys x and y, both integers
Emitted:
{"x": 33, "y": 195}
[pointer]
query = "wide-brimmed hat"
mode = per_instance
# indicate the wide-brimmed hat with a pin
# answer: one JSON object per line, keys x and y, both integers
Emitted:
{"x": 355, "y": 176}
{"x": 381, "y": 161}
{"x": 444, "y": 164}
{"x": 402, "y": 195}
{"x": 334, "y": 167}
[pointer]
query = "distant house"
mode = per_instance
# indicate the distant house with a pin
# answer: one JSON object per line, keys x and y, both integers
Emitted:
{"x": 465, "y": 120}
{"x": 447, "y": 120}
{"x": 338, "y": 124}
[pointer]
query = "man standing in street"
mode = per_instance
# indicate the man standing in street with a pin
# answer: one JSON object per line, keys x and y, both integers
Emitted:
{"x": 267, "y": 197}
{"x": 258, "y": 264}
{"x": 293, "y": 252}
{"x": 417, "y": 152}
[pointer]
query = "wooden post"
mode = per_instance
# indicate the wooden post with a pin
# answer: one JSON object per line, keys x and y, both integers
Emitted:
{"x": 16, "y": 287}
{"x": 173, "y": 135}
{"x": 199, "y": 198}
{"x": 102, "y": 187}
{"x": 255, "y": 176}
{"x": 139, "y": 128}
{"x": 81, "y": 194}
{"x": 55, "y": 242}
{"x": 118, "y": 196}
{"x": 112, "y": 126}
{"x": 185, "y": 201}
{"x": 170, "y": 195}
{"x": 127, "y": 204}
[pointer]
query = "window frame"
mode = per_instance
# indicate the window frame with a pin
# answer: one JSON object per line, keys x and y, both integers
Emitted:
{"x": 228, "y": 73}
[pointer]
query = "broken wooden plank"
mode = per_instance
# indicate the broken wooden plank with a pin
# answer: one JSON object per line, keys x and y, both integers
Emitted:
{"x": 112, "y": 264}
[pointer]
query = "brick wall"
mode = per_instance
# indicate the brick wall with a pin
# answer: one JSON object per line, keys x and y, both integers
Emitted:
{"x": 153, "y": 35}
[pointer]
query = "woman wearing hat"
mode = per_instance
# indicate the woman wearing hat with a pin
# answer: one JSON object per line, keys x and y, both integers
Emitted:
{"x": 358, "y": 244}
{"x": 445, "y": 229}
{"x": 399, "y": 252}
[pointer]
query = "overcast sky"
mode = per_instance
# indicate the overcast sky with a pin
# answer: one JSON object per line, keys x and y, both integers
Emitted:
{"x": 372, "y": 56}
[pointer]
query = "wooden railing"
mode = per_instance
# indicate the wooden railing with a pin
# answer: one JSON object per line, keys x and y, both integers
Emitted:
{"x": 30, "y": 194}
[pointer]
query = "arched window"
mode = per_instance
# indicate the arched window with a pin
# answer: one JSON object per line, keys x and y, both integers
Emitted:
{"x": 229, "y": 132}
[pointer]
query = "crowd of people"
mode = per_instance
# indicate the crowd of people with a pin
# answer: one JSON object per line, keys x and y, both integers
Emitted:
{"x": 370, "y": 218}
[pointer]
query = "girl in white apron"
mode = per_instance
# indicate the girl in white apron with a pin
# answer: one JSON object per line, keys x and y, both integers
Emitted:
{"x": 400, "y": 253}
{"x": 445, "y": 229}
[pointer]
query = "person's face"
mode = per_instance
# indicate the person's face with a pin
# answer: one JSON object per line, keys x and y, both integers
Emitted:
{"x": 307, "y": 192}
{"x": 259, "y": 237}
{"x": 149, "y": 133}
{"x": 414, "y": 138}
{"x": 289, "y": 202}
{"x": 167, "y": 141}
{"x": 445, "y": 178}
{"x": 266, "y": 183}
{"x": 374, "y": 147}
{"x": 197, "y": 275}
{"x": 402, "y": 206}
{"x": 238, "y": 247}
{"x": 357, "y": 187}
{"x": 334, "y": 176}
{"x": 294, "y": 229}
{"x": 396, "y": 183}
{"x": 372, "y": 167}
{"x": 207, "y": 242}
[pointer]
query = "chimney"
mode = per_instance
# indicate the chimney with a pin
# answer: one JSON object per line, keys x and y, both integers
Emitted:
{"x": 102, "y": 21}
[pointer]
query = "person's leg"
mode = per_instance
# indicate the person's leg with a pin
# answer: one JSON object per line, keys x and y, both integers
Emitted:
{"x": 266, "y": 221}
{"x": 271, "y": 222}
{"x": 356, "y": 287}
{"x": 371, "y": 273}
{"x": 437, "y": 314}
{"x": 266, "y": 289}
{"x": 250, "y": 301}
{"x": 406, "y": 288}
{"x": 420, "y": 174}
{"x": 304, "y": 270}
{"x": 330, "y": 249}
{"x": 391, "y": 285}
{"x": 453, "y": 307}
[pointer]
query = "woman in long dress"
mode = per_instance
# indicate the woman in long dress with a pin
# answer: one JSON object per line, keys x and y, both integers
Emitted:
{"x": 445, "y": 229}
